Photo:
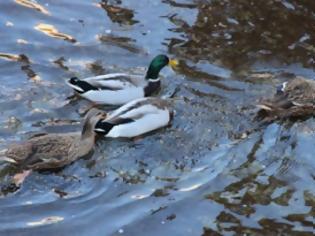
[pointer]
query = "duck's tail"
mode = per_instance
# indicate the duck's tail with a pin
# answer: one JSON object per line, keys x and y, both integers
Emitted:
{"x": 80, "y": 86}
{"x": 4, "y": 158}
{"x": 266, "y": 113}
{"x": 103, "y": 127}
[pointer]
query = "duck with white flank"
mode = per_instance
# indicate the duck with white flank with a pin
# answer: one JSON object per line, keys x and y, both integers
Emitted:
{"x": 135, "y": 118}
{"x": 294, "y": 99}
{"x": 120, "y": 88}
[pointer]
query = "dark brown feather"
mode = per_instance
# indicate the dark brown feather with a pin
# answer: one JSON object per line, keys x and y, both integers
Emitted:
{"x": 51, "y": 151}
{"x": 296, "y": 101}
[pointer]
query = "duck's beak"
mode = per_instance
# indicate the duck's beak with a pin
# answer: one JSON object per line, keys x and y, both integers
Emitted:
{"x": 173, "y": 63}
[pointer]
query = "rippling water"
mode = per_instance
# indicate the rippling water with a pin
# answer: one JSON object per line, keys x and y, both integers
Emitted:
{"x": 210, "y": 173}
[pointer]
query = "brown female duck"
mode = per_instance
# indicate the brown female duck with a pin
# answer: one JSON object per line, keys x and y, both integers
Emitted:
{"x": 294, "y": 99}
{"x": 50, "y": 151}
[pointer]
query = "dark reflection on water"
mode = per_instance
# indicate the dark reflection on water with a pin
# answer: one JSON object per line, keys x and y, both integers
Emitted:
{"x": 211, "y": 172}
{"x": 118, "y": 14}
{"x": 237, "y": 33}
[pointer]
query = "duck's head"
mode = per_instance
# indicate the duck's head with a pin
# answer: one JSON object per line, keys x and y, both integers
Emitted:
{"x": 90, "y": 120}
{"x": 157, "y": 65}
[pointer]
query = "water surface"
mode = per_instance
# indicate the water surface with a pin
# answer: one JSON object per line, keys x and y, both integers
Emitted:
{"x": 209, "y": 173}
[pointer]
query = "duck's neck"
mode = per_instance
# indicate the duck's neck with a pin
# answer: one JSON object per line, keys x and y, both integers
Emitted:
{"x": 86, "y": 142}
{"x": 87, "y": 131}
{"x": 152, "y": 87}
{"x": 153, "y": 73}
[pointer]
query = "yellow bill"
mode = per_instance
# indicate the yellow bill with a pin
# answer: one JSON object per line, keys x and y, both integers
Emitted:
{"x": 173, "y": 63}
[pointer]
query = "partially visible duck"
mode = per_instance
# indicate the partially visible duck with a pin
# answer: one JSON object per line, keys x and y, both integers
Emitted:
{"x": 120, "y": 88}
{"x": 54, "y": 150}
{"x": 294, "y": 99}
{"x": 135, "y": 118}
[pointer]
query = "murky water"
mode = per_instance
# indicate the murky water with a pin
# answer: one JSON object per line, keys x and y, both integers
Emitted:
{"x": 200, "y": 176}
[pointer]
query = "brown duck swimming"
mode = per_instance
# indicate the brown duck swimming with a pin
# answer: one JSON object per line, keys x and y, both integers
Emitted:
{"x": 50, "y": 151}
{"x": 294, "y": 99}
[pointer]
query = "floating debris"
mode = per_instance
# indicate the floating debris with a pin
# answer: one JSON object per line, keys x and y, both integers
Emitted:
{"x": 31, "y": 74}
{"x": 171, "y": 217}
{"x": 122, "y": 42}
{"x": 9, "y": 24}
{"x": 46, "y": 221}
{"x": 13, "y": 123}
{"x": 60, "y": 193}
{"x": 190, "y": 188}
{"x": 21, "y": 41}
{"x": 18, "y": 97}
{"x": 118, "y": 14}
{"x": 60, "y": 62}
{"x": 34, "y": 5}
{"x": 51, "y": 30}
{"x": 14, "y": 57}
{"x": 39, "y": 110}
{"x": 36, "y": 78}
{"x": 96, "y": 68}
{"x": 140, "y": 196}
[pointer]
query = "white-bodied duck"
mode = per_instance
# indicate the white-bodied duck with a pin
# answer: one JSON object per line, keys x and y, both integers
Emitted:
{"x": 120, "y": 88}
{"x": 135, "y": 118}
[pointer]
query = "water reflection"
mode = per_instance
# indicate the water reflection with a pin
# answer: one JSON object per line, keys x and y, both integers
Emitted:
{"x": 210, "y": 172}
{"x": 238, "y": 33}
{"x": 51, "y": 30}
{"x": 34, "y": 5}
{"x": 118, "y": 14}
{"x": 14, "y": 57}
{"x": 122, "y": 42}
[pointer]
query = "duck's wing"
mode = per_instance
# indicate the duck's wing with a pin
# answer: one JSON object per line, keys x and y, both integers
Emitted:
{"x": 138, "y": 106}
{"x": 299, "y": 91}
{"x": 289, "y": 94}
{"x": 279, "y": 101}
{"x": 111, "y": 76}
{"x": 113, "y": 82}
{"x": 300, "y": 97}
{"x": 104, "y": 126}
{"x": 116, "y": 81}
{"x": 294, "y": 100}
{"x": 18, "y": 152}
{"x": 44, "y": 152}
{"x": 131, "y": 112}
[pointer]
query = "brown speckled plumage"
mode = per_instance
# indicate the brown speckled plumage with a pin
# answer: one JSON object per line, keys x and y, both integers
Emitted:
{"x": 297, "y": 100}
{"x": 52, "y": 151}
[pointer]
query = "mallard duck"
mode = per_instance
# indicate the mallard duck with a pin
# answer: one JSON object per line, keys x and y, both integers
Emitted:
{"x": 294, "y": 99}
{"x": 51, "y": 151}
{"x": 120, "y": 88}
{"x": 135, "y": 118}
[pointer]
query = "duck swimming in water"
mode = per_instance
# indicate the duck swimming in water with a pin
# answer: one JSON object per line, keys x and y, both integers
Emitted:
{"x": 120, "y": 88}
{"x": 135, "y": 118}
{"x": 294, "y": 99}
{"x": 54, "y": 150}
